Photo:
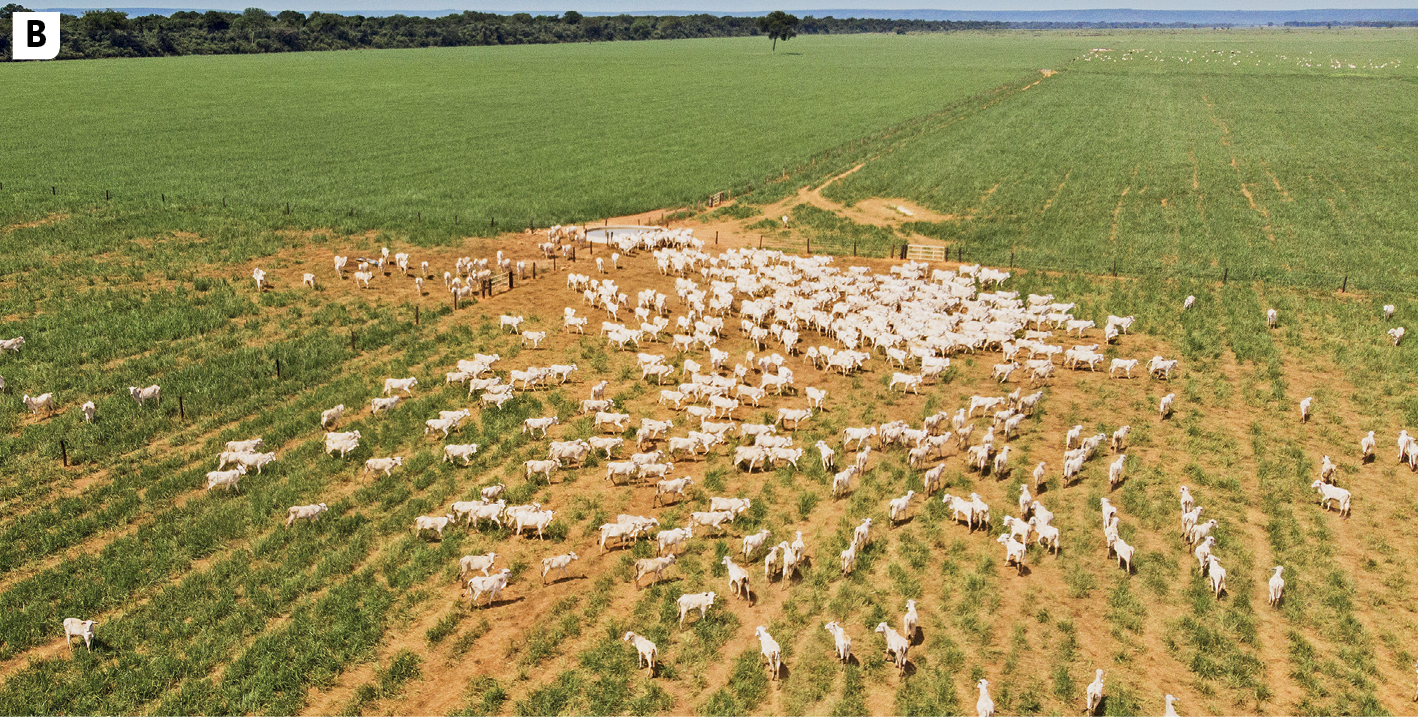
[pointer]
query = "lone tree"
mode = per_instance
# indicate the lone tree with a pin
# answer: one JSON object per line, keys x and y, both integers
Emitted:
{"x": 779, "y": 26}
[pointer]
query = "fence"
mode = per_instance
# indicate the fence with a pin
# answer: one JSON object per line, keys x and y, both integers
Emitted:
{"x": 925, "y": 252}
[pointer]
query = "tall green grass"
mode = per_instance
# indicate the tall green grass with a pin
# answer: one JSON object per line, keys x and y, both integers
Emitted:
{"x": 551, "y": 133}
{"x": 1147, "y": 163}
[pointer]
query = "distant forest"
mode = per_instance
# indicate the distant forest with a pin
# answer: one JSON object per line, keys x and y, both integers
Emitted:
{"x": 110, "y": 33}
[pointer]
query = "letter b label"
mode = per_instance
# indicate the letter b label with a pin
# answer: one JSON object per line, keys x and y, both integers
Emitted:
{"x": 36, "y": 35}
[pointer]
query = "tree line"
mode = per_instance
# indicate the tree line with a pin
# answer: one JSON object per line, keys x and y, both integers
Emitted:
{"x": 111, "y": 33}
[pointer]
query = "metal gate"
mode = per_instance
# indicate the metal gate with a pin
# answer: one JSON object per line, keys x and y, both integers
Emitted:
{"x": 925, "y": 252}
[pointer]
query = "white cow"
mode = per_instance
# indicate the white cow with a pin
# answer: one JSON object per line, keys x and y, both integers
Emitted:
{"x": 436, "y": 524}
{"x": 896, "y": 646}
{"x": 310, "y": 512}
{"x": 400, "y": 384}
{"x": 1331, "y": 493}
{"x": 464, "y": 451}
{"x": 226, "y": 479}
{"x": 772, "y": 652}
{"x": 559, "y": 562}
{"x": 694, "y": 601}
{"x": 839, "y": 636}
{"x": 384, "y": 465}
{"x": 646, "y": 651}
{"x": 74, "y": 627}
{"x": 141, "y": 395}
{"x": 329, "y": 418}
{"x": 492, "y": 586}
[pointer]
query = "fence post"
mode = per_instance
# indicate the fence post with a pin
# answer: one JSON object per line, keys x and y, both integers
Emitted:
{"x": 854, "y": 248}
{"x": 105, "y": 195}
{"x": 64, "y": 452}
{"x": 716, "y": 238}
{"x": 553, "y": 263}
{"x": 1115, "y": 267}
{"x": 352, "y": 344}
{"x": 1225, "y": 273}
{"x": 510, "y": 285}
{"x": 760, "y": 241}
{"x": 416, "y": 315}
{"x": 534, "y": 270}
{"x": 1345, "y": 288}
{"x": 1011, "y": 261}
{"x": 278, "y": 369}
{"x": 181, "y": 410}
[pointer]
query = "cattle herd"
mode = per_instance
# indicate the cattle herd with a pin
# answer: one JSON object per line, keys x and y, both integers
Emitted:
{"x": 910, "y": 322}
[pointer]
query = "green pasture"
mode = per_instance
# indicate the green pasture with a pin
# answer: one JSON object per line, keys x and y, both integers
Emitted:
{"x": 210, "y": 607}
{"x": 552, "y": 133}
{"x": 1284, "y": 156}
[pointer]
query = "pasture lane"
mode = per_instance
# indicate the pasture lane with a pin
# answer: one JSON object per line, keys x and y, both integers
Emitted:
{"x": 434, "y": 697}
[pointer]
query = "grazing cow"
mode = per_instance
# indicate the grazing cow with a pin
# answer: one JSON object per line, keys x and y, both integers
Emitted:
{"x": 463, "y": 451}
{"x": 74, "y": 627}
{"x": 559, "y": 562}
{"x": 226, "y": 479}
{"x": 141, "y": 395}
{"x": 44, "y": 400}
{"x": 469, "y": 563}
{"x": 310, "y": 512}
{"x": 329, "y": 418}
{"x": 436, "y": 524}
{"x": 492, "y": 586}
{"x": 386, "y": 465}
{"x": 400, "y": 384}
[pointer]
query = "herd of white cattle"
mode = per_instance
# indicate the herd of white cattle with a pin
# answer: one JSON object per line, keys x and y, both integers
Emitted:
{"x": 911, "y": 320}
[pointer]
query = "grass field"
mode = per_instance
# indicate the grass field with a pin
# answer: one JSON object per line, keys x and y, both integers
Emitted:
{"x": 207, "y": 606}
{"x": 555, "y": 133}
{"x": 1279, "y": 155}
